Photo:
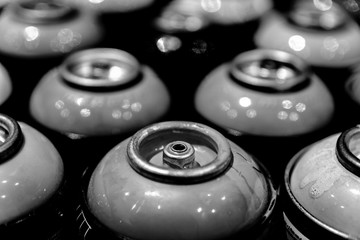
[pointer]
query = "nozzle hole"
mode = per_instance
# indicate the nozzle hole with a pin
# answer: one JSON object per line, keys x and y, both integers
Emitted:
{"x": 179, "y": 147}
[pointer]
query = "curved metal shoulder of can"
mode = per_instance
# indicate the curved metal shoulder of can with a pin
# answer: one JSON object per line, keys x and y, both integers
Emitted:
{"x": 5, "y": 85}
{"x": 31, "y": 169}
{"x": 46, "y": 28}
{"x": 265, "y": 92}
{"x": 181, "y": 180}
{"x": 322, "y": 34}
{"x": 352, "y": 85}
{"x": 99, "y": 92}
{"x": 322, "y": 186}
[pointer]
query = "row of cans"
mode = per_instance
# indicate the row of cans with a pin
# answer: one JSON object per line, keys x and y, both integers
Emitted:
{"x": 177, "y": 180}
{"x": 179, "y": 119}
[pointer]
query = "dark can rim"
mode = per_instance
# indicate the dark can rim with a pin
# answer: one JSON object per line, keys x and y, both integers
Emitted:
{"x": 111, "y": 56}
{"x": 13, "y": 141}
{"x": 272, "y": 54}
{"x": 218, "y": 165}
{"x": 345, "y": 155}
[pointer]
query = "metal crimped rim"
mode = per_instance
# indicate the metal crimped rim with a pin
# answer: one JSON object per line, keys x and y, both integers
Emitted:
{"x": 108, "y": 55}
{"x": 13, "y": 141}
{"x": 308, "y": 6}
{"x": 39, "y": 15}
{"x": 222, "y": 161}
{"x": 272, "y": 54}
{"x": 345, "y": 155}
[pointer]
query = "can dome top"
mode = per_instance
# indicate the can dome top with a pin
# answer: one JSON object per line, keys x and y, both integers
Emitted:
{"x": 322, "y": 182}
